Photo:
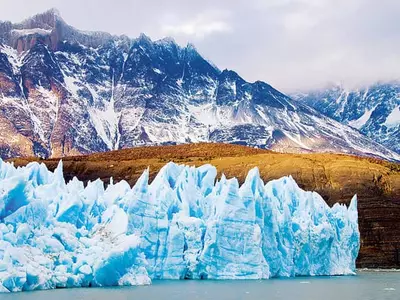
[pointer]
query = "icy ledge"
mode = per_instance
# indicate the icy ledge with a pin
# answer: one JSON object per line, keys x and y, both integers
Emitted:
{"x": 182, "y": 225}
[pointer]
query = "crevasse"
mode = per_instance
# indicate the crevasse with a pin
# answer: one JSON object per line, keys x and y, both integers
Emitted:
{"x": 184, "y": 225}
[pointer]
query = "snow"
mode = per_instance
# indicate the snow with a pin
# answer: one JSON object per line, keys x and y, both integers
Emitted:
{"x": 23, "y": 32}
{"x": 204, "y": 113}
{"x": 105, "y": 121}
{"x": 232, "y": 86}
{"x": 182, "y": 225}
{"x": 189, "y": 111}
{"x": 342, "y": 101}
{"x": 14, "y": 58}
{"x": 297, "y": 139}
{"x": 71, "y": 84}
{"x": 361, "y": 121}
{"x": 393, "y": 119}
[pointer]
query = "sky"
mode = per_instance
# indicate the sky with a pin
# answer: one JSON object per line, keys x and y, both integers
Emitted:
{"x": 294, "y": 45}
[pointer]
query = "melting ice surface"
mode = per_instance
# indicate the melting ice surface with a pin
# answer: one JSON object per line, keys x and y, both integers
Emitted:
{"x": 185, "y": 224}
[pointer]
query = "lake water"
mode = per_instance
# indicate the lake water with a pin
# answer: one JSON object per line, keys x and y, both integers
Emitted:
{"x": 364, "y": 286}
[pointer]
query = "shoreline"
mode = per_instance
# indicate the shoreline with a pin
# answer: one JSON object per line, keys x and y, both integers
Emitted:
{"x": 377, "y": 270}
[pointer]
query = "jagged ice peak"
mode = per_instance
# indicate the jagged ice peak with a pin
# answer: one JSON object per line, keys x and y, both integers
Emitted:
{"x": 182, "y": 225}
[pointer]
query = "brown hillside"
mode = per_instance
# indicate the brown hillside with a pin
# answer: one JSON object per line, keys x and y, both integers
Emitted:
{"x": 336, "y": 177}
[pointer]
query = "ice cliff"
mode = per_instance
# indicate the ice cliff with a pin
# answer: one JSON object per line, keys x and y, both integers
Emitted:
{"x": 185, "y": 224}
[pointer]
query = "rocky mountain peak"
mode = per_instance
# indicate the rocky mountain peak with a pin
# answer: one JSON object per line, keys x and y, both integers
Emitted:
{"x": 191, "y": 49}
{"x": 46, "y": 20}
{"x": 143, "y": 38}
{"x": 43, "y": 28}
{"x": 167, "y": 41}
{"x": 50, "y": 29}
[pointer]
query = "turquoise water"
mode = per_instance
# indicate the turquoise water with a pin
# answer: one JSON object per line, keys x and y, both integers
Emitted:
{"x": 364, "y": 286}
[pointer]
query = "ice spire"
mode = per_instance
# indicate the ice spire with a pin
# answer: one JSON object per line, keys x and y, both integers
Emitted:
{"x": 182, "y": 225}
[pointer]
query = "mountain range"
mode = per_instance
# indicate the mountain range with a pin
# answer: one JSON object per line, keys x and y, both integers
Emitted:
{"x": 373, "y": 110}
{"x": 66, "y": 92}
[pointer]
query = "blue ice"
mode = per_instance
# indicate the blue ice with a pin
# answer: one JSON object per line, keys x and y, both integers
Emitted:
{"x": 184, "y": 224}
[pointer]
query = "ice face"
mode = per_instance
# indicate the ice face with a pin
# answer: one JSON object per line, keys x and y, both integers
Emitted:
{"x": 185, "y": 224}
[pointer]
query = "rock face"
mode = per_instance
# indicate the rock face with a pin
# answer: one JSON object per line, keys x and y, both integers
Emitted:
{"x": 49, "y": 29}
{"x": 66, "y": 92}
{"x": 374, "y": 110}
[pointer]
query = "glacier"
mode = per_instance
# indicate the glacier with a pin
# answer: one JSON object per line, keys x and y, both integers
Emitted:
{"x": 185, "y": 224}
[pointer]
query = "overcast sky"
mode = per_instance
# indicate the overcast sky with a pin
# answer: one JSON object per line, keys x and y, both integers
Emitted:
{"x": 291, "y": 44}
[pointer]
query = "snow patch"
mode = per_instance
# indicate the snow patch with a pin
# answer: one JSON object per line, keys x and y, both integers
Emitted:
{"x": 106, "y": 121}
{"x": 361, "y": 121}
{"x": 393, "y": 119}
{"x": 24, "y": 32}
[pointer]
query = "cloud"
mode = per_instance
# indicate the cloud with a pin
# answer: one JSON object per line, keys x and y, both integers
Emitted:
{"x": 297, "y": 22}
{"x": 198, "y": 27}
{"x": 291, "y": 44}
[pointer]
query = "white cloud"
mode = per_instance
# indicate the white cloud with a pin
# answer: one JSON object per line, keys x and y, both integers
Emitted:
{"x": 198, "y": 27}
{"x": 299, "y": 22}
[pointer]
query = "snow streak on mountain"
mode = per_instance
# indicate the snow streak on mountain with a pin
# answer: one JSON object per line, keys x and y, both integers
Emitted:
{"x": 65, "y": 91}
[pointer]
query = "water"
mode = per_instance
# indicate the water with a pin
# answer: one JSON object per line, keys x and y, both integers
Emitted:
{"x": 364, "y": 286}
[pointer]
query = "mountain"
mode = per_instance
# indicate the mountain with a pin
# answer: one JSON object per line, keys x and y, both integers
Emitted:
{"x": 374, "y": 110}
{"x": 66, "y": 92}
